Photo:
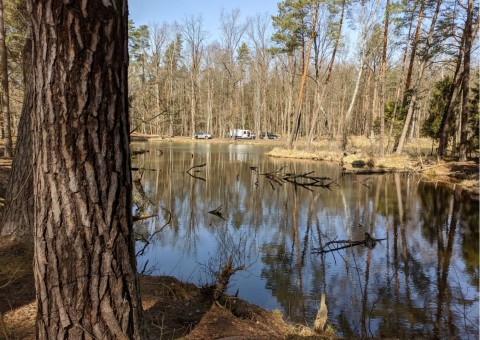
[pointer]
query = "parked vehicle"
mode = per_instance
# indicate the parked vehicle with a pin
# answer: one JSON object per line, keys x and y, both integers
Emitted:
{"x": 269, "y": 135}
{"x": 241, "y": 134}
{"x": 202, "y": 135}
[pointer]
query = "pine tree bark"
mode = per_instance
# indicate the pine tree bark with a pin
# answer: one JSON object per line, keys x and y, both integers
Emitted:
{"x": 17, "y": 215}
{"x": 7, "y": 130}
{"x": 84, "y": 259}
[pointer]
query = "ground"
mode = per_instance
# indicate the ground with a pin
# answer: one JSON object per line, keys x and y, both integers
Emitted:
{"x": 174, "y": 309}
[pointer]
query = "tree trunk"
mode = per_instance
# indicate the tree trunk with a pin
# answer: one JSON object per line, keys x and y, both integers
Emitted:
{"x": 399, "y": 87}
{"x": 384, "y": 67}
{"x": 423, "y": 65}
{"x": 7, "y": 130}
{"x": 466, "y": 82}
{"x": 84, "y": 264}
{"x": 348, "y": 115}
{"x": 298, "y": 115}
{"x": 452, "y": 99}
{"x": 17, "y": 215}
{"x": 413, "y": 53}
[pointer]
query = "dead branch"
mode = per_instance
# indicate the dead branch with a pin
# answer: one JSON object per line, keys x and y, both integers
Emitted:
{"x": 223, "y": 278}
{"x": 369, "y": 242}
{"x": 217, "y": 212}
{"x": 142, "y": 217}
{"x": 138, "y": 175}
{"x": 147, "y": 241}
{"x": 139, "y": 152}
{"x": 304, "y": 180}
{"x": 195, "y": 167}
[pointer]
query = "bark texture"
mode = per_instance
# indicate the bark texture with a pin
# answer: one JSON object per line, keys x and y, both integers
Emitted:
{"x": 17, "y": 215}
{"x": 84, "y": 266}
{"x": 7, "y": 132}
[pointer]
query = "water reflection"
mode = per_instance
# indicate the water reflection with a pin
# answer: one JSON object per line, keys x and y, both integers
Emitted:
{"x": 420, "y": 281}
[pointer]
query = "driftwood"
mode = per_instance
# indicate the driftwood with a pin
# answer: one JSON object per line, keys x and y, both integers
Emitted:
{"x": 145, "y": 169}
{"x": 142, "y": 217}
{"x": 223, "y": 278}
{"x": 322, "y": 316}
{"x": 369, "y": 242}
{"x": 217, "y": 212}
{"x": 139, "y": 152}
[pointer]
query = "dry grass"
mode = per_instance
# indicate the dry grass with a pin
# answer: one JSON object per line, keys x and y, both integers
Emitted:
{"x": 319, "y": 155}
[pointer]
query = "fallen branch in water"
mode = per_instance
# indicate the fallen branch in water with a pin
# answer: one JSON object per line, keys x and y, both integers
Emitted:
{"x": 142, "y": 217}
{"x": 369, "y": 242}
{"x": 146, "y": 241}
{"x": 303, "y": 180}
{"x": 217, "y": 212}
{"x": 194, "y": 167}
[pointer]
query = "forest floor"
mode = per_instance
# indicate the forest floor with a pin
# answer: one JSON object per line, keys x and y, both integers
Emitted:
{"x": 174, "y": 309}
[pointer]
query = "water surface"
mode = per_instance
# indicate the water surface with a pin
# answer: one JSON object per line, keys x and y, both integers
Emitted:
{"x": 420, "y": 281}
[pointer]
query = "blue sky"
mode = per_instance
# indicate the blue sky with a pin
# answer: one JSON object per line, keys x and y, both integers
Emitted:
{"x": 144, "y": 12}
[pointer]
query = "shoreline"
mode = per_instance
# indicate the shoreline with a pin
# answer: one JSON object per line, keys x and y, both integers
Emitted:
{"x": 359, "y": 159}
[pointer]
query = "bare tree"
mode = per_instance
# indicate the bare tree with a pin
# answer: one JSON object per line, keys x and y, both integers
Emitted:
{"x": 422, "y": 67}
{"x": 232, "y": 31}
{"x": 367, "y": 19}
{"x": 195, "y": 37}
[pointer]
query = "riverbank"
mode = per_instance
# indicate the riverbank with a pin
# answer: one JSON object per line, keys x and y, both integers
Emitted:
{"x": 172, "y": 309}
{"x": 360, "y": 158}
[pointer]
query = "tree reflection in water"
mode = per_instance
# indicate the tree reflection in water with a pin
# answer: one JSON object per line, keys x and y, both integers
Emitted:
{"x": 422, "y": 281}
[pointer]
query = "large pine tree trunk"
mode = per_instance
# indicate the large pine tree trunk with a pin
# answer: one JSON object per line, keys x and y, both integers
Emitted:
{"x": 17, "y": 215}
{"x": 84, "y": 266}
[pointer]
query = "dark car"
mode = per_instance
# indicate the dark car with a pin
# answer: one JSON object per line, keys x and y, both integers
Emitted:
{"x": 270, "y": 135}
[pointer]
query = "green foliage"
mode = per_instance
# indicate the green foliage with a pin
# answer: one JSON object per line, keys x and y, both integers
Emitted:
{"x": 438, "y": 105}
{"x": 291, "y": 24}
{"x": 138, "y": 41}
{"x": 474, "y": 118}
{"x": 397, "y": 121}
{"x": 243, "y": 54}
{"x": 173, "y": 53}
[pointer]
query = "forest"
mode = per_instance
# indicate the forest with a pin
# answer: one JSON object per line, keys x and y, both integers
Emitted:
{"x": 77, "y": 80}
{"x": 330, "y": 69}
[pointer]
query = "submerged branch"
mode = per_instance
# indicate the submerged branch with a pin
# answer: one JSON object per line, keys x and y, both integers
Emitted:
{"x": 304, "y": 180}
{"x": 369, "y": 242}
{"x": 195, "y": 167}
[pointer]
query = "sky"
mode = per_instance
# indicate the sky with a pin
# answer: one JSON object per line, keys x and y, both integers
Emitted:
{"x": 145, "y": 12}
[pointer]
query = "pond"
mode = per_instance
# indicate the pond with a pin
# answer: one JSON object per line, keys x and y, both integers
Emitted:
{"x": 420, "y": 279}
